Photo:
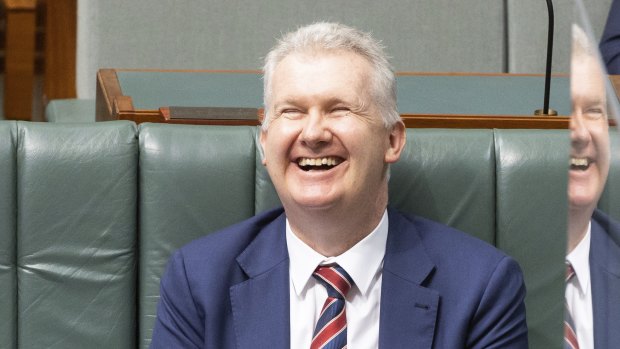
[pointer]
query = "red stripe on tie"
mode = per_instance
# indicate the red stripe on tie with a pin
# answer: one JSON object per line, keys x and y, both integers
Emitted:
{"x": 336, "y": 280}
{"x": 570, "y": 337}
{"x": 329, "y": 331}
{"x": 327, "y": 304}
{"x": 570, "y": 272}
{"x": 331, "y": 327}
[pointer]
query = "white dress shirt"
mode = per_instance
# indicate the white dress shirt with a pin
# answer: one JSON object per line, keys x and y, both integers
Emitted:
{"x": 578, "y": 292}
{"x": 363, "y": 262}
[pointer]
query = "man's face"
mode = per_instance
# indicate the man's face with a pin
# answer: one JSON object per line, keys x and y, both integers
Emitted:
{"x": 589, "y": 134}
{"x": 326, "y": 145}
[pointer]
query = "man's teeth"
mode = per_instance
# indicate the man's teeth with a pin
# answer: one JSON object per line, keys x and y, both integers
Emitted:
{"x": 329, "y": 161}
{"x": 578, "y": 161}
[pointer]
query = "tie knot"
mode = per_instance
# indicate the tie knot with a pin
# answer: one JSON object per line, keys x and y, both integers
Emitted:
{"x": 570, "y": 272}
{"x": 336, "y": 281}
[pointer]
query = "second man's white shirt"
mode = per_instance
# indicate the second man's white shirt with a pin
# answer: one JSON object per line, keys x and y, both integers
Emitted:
{"x": 579, "y": 292}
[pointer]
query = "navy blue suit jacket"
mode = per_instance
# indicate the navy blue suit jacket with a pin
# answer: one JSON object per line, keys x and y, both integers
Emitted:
{"x": 610, "y": 41}
{"x": 605, "y": 280}
{"x": 441, "y": 289}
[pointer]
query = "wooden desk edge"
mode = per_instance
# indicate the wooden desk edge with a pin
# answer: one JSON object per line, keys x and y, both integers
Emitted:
{"x": 112, "y": 105}
{"x": 484, "y": 121}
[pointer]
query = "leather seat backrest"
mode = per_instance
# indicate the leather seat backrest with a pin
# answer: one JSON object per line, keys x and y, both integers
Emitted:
{"x": 77, "y": 235}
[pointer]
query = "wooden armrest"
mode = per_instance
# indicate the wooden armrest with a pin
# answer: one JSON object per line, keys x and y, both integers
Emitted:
{"x": 20, "y": 4}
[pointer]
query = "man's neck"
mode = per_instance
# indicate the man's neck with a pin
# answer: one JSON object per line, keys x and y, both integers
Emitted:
{"x": 578, "y": 221}
{"x": 331, "y": 232}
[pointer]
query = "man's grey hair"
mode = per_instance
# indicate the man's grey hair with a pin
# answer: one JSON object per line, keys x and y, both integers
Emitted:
{"x": 324, "y": 36}
{"x": 582, "y": 45}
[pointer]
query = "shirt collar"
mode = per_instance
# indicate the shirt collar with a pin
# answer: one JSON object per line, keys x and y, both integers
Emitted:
{"x": 362, "y": 261}
{"x": 579, "y": 258}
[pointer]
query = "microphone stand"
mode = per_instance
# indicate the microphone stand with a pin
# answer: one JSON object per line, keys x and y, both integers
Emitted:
{"x": 546, "y": 111}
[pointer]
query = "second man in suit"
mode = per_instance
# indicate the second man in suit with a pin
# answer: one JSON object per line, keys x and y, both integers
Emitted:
{"x": 593, "y": 253}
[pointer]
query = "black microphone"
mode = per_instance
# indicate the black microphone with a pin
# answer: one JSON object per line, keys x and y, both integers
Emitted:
{"x": 546, "y": 111}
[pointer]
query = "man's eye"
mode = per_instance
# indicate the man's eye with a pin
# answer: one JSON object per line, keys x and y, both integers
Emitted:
{"x": 290, "y": 113}
{"x": 340, "y": 111}
{"x": 594, "y": 113}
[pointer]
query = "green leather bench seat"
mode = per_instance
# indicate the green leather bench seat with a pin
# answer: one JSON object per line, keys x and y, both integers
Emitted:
{"x": 531, "y": 211}
{"x": 77, "y": 235}
{"x": 446, "y": 175}
{"x": 192, "y": 181}
{"x": 451, "y": 172}
{"x": 93, "y": 211}
{"x": 8, "y": 233}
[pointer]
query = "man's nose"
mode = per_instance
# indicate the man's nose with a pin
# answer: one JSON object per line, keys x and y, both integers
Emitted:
{"x": 579, "y": 133}
{"x": 315, "y": 130}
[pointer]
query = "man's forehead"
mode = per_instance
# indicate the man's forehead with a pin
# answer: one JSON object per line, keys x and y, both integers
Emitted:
{"x": 328, "y": 68}
{"x": 313, "y": 52}
{"x": 318, "y": 57}
{"x": 340, "y": 65}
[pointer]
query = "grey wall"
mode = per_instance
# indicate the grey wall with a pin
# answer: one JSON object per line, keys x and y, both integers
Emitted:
{"x": 421, "y": 35}
{"x": 527, "y": 32}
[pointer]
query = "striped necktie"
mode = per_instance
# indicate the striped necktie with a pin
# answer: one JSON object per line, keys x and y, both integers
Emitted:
{"x": 330, "y": 331}
{"x": 570, "y": 336}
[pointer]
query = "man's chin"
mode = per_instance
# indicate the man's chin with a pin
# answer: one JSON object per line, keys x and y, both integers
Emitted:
{"x": 577, "y": 204}
{"x": 312, "y": 203}
{"x": 315, "y": 205}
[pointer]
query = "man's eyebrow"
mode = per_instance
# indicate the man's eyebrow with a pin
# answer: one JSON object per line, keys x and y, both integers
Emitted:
{"x": 280, "y": 106}
{"x": 590, "y": 101}
{"x": 286, "y": 102}
{"x": 357, "y": 104}
{"x": 336, "y": 100}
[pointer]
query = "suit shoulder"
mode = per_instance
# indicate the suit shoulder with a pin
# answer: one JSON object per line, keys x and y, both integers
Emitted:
{"x": 608, "y": 225}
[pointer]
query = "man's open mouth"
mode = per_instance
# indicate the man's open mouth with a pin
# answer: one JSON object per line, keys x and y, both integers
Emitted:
{"x": 581, "y": 164}
{"x": 324, "y": 163}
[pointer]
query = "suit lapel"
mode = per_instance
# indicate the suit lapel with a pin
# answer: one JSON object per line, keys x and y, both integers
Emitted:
{"x": 605, "y": 281}
{"x": 408, "y": 310}
{"x": 261, "y": 304}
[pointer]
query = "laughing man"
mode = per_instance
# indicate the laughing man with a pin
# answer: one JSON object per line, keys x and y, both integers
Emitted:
{"x": 336, "y": 267}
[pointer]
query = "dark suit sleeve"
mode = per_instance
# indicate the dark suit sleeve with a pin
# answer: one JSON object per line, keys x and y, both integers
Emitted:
{"x": 178, "y": 323}
{"x": 499, "y": 321}
{"x": 610, "y": 41}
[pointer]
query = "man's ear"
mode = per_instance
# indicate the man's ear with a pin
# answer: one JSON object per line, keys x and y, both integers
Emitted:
{"x": 261, "y": 150}
{"x": 398, "y": 138}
